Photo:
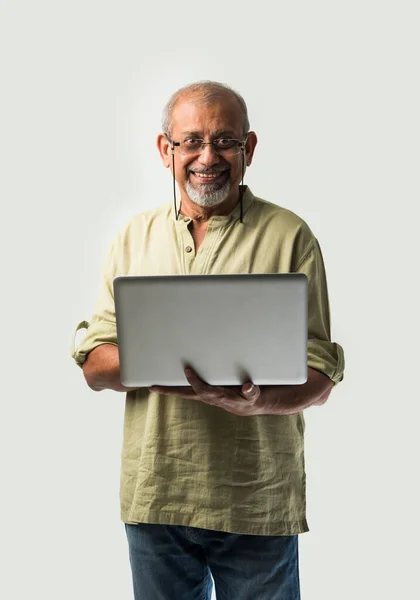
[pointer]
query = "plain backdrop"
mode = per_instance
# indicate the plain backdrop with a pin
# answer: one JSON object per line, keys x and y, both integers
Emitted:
{"x": 333, "y": 94}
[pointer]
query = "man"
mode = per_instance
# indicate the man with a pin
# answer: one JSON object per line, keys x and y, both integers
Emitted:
{"x": 213, "y": 478}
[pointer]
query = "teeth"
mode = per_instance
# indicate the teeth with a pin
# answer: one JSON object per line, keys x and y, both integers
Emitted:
{"x": 207, "y": 176}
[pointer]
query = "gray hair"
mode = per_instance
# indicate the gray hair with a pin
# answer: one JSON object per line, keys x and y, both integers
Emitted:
{"x": 206, "y": 91}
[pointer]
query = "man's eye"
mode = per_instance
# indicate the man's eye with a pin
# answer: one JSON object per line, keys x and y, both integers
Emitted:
{"x": 192, "y": 142}
{"x": 225, "y": 143}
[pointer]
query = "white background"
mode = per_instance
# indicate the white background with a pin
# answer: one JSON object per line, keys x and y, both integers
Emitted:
{"x": 333, "y": 94}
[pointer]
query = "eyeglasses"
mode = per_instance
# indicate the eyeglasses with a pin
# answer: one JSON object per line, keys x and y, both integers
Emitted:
{"x": 226, "y": 147}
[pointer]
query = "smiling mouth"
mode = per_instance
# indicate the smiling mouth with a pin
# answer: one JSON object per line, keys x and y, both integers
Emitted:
{"x": 209, "y": 177}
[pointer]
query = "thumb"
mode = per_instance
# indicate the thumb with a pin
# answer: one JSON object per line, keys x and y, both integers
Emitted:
{"x": 249, "y": 390}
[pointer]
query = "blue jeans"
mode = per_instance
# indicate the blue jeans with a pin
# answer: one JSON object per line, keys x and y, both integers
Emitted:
{"x": 173, "y": 562}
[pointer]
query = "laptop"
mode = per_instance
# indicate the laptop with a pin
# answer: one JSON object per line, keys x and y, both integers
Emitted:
{"x": 229, "y": 328}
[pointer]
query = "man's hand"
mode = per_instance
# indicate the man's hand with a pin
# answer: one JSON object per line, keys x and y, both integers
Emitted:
{"x": 250, "y": 399}
{"x": 239, "y": 400}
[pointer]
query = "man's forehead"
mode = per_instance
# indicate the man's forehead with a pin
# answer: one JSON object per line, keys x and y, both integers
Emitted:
{"x": 222, "y": 116}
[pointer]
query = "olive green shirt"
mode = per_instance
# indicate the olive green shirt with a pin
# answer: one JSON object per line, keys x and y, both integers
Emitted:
{"x": 185, "y": 462}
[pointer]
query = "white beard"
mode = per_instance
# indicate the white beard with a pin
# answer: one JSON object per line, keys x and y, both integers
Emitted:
{"x": 208, "y": 194}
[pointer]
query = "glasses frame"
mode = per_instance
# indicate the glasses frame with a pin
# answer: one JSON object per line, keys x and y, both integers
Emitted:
{"x": 240, "y": 143}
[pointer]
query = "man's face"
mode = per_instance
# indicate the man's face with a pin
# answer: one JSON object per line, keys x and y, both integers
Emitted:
{"x": 206, "y": 177}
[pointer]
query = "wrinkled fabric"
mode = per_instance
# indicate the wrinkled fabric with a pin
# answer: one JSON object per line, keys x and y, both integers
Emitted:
{"x": 188, "y": 463}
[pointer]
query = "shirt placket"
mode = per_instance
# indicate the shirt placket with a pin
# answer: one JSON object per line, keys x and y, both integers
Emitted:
{"x": 194, "y": 263}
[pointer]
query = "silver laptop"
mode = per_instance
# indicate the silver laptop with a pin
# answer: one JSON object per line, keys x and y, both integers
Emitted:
{"x": 229, "y": 328}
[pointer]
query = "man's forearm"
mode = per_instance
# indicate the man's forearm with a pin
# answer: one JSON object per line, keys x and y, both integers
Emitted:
{"x": 291, "y": 399}
{"x": 102, "y": 369}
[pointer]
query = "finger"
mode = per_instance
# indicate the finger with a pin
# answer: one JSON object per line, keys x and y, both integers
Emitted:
{"x": 184, "y": 392}
{"x": 250, "y": 391}
{"x": 196, "y": 383}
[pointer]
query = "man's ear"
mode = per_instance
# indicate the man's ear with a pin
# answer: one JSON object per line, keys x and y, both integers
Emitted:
{"x": 165, "y": 151}
{"x": 251, "y": 142}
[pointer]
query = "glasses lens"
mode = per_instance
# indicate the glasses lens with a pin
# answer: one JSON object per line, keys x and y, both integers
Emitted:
{"x": 225, "y": 144}
{"x": 224, "y": 147}
{"x": 191, "y": 146}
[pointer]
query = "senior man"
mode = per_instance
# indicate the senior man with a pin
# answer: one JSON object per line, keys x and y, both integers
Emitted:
{"x": 213, "y": 478}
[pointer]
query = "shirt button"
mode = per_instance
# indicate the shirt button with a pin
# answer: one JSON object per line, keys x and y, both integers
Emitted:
{"x": 188, "y": 249}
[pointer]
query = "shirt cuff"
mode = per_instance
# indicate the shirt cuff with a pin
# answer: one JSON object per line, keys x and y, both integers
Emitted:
{"x": 327, "y": 357}
{"x": 98, "y": 332}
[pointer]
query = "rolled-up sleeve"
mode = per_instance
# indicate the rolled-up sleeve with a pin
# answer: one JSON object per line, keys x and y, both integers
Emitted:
{"x": 102, "y": 327}
{"x": 323, "y": 354}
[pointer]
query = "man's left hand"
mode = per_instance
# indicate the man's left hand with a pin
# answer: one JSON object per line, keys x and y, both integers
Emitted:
{"x": 240, "y": 400}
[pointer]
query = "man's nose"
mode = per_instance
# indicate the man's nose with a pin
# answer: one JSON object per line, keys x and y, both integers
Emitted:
{"x": 209, "y": 156}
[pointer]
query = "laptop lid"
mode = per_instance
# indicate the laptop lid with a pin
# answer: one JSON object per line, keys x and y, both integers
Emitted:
{"x": 229, "y": 328}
